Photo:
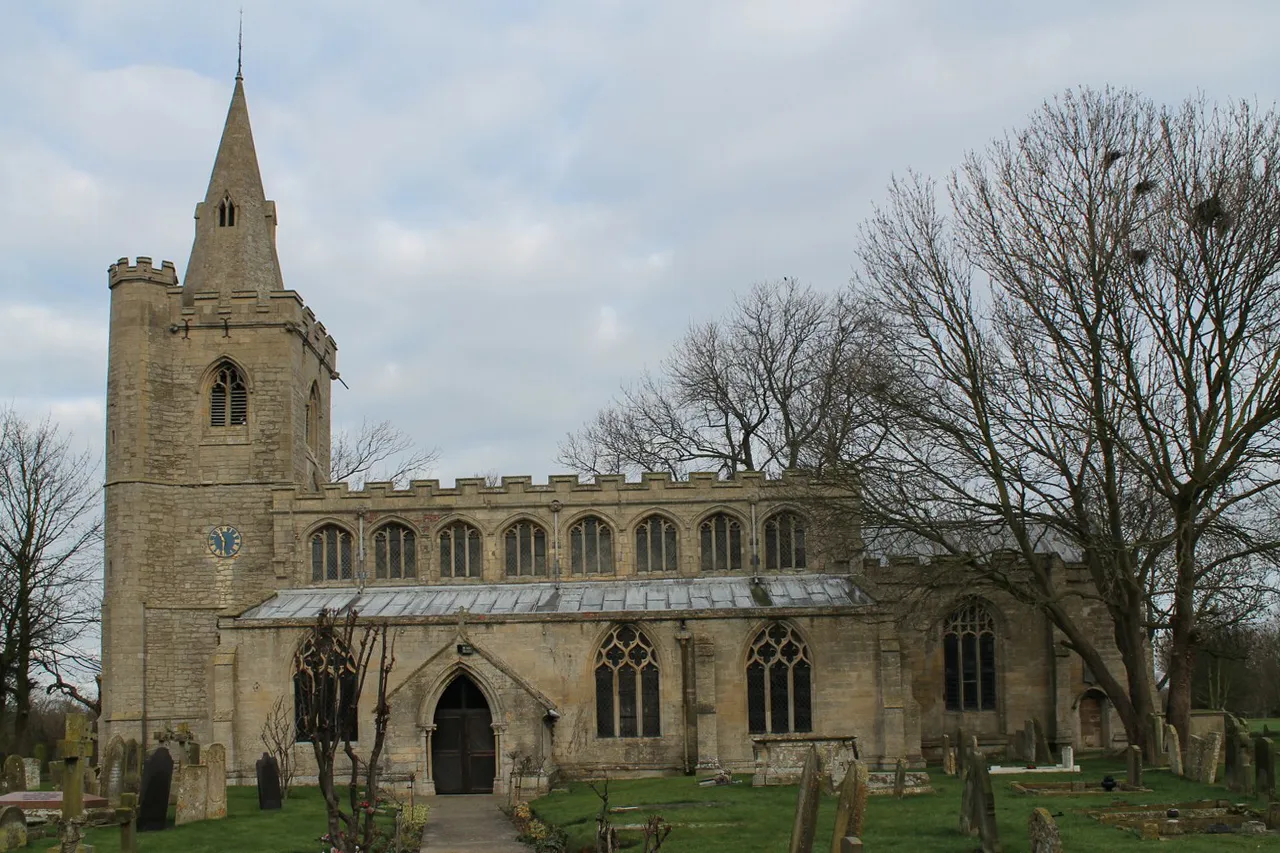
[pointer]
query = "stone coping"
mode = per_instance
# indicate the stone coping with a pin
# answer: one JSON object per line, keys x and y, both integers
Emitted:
{"x": 47, "y": 800}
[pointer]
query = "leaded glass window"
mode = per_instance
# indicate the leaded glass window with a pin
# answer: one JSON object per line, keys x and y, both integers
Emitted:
{"x": 969, "y": 658}
{"x": 591, "y": 547}
{"x": 779, "y": 682}
{"x": 461, "y": 551}
{"x": 526, "y": 547}
{"x": 395, "y": 552}
{"x": 721, "y": 540}
{"x": 331, "y": 554}
{"x": 228, "y": 397}
{"x": 627, "y": 685}
{"x": 656, "y": 548}
{"x": 324, "y": 692}
{"x": 784, "y": 542}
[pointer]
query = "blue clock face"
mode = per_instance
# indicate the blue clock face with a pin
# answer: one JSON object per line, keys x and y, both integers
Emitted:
{"x": 224, "y": 541}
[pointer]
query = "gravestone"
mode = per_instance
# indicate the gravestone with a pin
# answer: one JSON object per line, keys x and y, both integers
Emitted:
{"x": 192, "y": 752}
{"x": 982, "y": 805}
{"x": 31, "y": 769}
{"x": 962, "y": 743}
{"x": 1195, "y": 755}
{"x": 1068, "y": 757}
{"x": 132, "y": 782}
{"x": 15, "y": 774}
{"x": 55, "y": 774}
{"x": 113, "y": 771}
{"x": 1231, "y": 774}
{"x": 126, "y": 816}
{"x": 850, "y": 844}
{"x": 1155, "y": 731}
{"x": 1210, "y": 752}
{"x": 1043, "y": 756}
{"x": 1264, "y": 768}
{"x": 157, "y": 779}
{"x": 948, "y": 757}
{"x": 76, "y": 746}
{"x": 1043, "y": 830}
{"x": 851, "y": 808}
{"x": 91, "y": 778}
{"x": 1134, "y": 756}
{"x": 193, "y": 794}
{"x": 1174, "y": 749}
{"x": 900, "y": 779}
{"x": 13, "y": 829}
{"x": 215, "y": 758}
{"x": 268, "y": 782}
{"x": 806, "y": 818}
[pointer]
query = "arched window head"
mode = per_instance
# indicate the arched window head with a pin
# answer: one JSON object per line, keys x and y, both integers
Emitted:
{"x": 784, "y": 542}
{"x": 226, "y": 212}
{"x": 591, "y": 547}
{"x": 461, "y": 551}
{"x": 526, "y": 546}
{"x": 969, "y": 658}
{"x": 312, "y": 417}
{"x": 627, "y": 685}
{"x": 656, "y": 545}
{"x": 395, "y": 552}
{"x": 721, "y": 540}
{"x": 325, "y": 681}
{"x": 331, "y": 554}
{"x": 228, "y": 397}
{"x": 779, "y": 682}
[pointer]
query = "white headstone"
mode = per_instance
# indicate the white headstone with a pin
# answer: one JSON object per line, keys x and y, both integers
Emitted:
{"x": 31, "y": 768}
{"x": 1068, "y": 757}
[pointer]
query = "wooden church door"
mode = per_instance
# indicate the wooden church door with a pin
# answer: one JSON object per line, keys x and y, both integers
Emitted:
{"x": 463, "y": 758}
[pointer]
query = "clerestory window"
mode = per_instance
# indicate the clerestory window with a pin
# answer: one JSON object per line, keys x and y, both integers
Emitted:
{"x": 526, "y": 547}
{"x": 656, "y": 545}
{"x": 461, "y": 551}
{"x": 395, "y": 552}
{"x": 721, "y": 540}
{"x": 591, "y": 547}
{"x": 331, "y": 554}
{"x": 784, "y": 542}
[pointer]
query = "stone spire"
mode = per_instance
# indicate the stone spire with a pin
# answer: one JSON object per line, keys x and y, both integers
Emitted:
{"x": 235, "y": 243}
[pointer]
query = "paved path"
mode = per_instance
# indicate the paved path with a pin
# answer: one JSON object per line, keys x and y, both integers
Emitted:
{"x": 469, "y": 823}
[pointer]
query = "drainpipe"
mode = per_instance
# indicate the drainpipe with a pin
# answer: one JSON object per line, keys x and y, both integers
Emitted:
{"x": 555, "y": 539}
{"x": 682, "y": 637}
{"x": 361, "y": 574}
{"x": 755, "y": 544}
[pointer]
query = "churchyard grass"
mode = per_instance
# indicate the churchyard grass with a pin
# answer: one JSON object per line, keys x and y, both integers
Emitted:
{"x": 1272, "y": 723}
{"x": 742, "y": 819}
{"x": 294, "y": 829}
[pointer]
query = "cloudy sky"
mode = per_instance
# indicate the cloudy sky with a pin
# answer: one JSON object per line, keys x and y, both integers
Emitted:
{"x": 502, "y": 211}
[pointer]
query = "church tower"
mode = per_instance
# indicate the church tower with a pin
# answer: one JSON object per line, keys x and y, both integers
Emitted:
{"x": 218, "y": 391}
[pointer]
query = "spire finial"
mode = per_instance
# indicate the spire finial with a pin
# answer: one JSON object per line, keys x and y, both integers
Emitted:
{"x": 240, "y": 48}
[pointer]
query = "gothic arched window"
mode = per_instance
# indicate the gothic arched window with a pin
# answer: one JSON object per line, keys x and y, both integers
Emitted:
{"x": 591, "y": 547}
{"x": 721, "y": 540}
{"x": 779, "y": 682}
{"x": 784, "y": 542}
{"x": 526, "y": 546}
{"x": 324, "y": 691}
{"x": 331, "y": 554}
{"x": 226, "y": 212}
{"x": 313, "y": 420}
{"x": 656, "y": 545}
{"x": 395, "y": 552}
{"x": 461, "y": 551}
{"x": 627, "y": 685}
{"x": 969, "y": 658}
{"x": 228, "y": 397}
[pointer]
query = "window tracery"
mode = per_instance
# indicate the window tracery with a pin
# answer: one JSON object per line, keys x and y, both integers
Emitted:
{"x": 461, "y": 551}
{"x": 228, "y": 397}
{"x": 721, "y": 541}
{"x": 526, "y": 549}
{"x": 331, "y": 554}
{"x": 395, "y": 552}
{"x": 657, "y": 547}
{"x": 784, "y": 542}
{"x": 969, "y": 658}
{"x": 779, "y": 682}
{"x": 325, "y": 681}
{"x": 627, "y": 696}
{"x": 591, "y": 547}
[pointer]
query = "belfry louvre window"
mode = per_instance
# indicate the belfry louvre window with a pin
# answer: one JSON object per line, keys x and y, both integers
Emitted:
{"x": 779, "y": 682}
{"x": 784, "y": 542}
{"x": 228, "y": 397}
{"x": 226, "y": 213}
{"x": 461, "y": 550}
{"x": 627, "y": 685}
{"x": 331, "y": 554}
{"x": 526, "y": 546}
{"x": 395, "y": 552}
{"x": 591, "y": 547}
{"x": 969, "y": 658}
{"x": 324, "y": 689}
{"x": 656, "y": 545}
{"x": 721, "y": 539}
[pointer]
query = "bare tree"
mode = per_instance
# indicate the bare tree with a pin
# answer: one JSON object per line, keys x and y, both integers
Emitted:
{"x": 1091, "y": 315}
{"x": 378, "y": 452}
{"x": 279, "y": 735}
{"x": 777, "y": 384}
{"x": 333, "y": 664}
{"x": 49, "y": 583}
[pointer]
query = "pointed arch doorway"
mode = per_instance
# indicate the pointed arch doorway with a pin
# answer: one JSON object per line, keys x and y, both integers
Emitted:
{"x": 463, "y": 753}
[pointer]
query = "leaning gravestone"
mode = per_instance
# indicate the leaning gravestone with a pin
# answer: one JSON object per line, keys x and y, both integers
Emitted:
{"x": 157, "y": 779}
{"x": 948, "y": 757}
{"x": 269, "y": 796}
{"x": 1175, "y": 750}
{"x": 132, "y": 781}
{"x": 1195, "y": 757}
{"x": 1209, "y": 757}
{"x": 113, "y": 770}
{"x": 193, "y": 794}
{"x": 1134, "y": 756}
{"x": 851, "y": 807}
{"x": 13, "y": 828}
{"x": 1264, "y": 768}
{"x": 1043, "y": 830}
{"x": 216, "y": 759}
{"x": 900, "y": 779}
{"x": 15, "y": 774}
{"x": 982, "y": 805}
{"x": 804, "y": 825}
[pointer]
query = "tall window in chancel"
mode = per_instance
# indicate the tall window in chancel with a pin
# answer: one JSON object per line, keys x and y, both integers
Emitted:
{"x": 969, "y": 658}
{"x": 228, "y": 397}
{"x": 591, "y": 547}
{"x": 460, "y": 551}
{"x": 395, "y": 552}
{"x": 721, "y": 540}
{"x": 324, "y": 690}
{"x": 627, "y": 685}
{"x": 331, "y": 554}
{"x": 656, "y": 549}
{"x": 784, "y": 542}
{"x": 779, "y": 682}
{"x": 526, "y": 546}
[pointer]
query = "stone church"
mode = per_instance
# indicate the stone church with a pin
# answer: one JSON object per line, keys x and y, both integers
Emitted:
{"x": 569, "y": 628}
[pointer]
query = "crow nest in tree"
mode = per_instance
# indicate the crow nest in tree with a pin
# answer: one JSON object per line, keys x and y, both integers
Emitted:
{"x": 1211, "y": 213}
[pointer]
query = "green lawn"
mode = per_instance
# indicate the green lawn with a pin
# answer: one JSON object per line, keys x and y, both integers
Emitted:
{"x": 294, "y": 829}
{"x": 1273, "y": 723}
{"x": 742, "y": 819}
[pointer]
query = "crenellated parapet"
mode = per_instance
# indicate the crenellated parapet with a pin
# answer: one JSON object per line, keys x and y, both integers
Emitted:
{"x": 122, "y": 271}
